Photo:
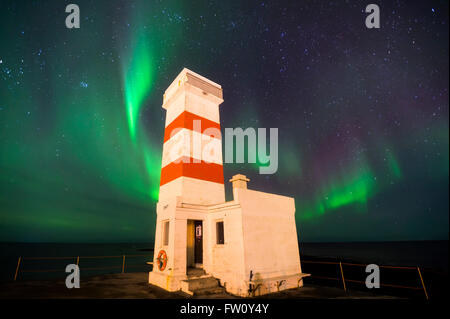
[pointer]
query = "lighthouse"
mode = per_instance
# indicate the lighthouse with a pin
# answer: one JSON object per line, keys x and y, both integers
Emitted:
{"x": 192, "y": 104}
{"x": 248, "y": 245}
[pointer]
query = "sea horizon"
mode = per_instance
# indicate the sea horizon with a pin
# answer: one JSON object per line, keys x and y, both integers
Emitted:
{"x": 430, "y": 255}
{"x": 151, "y": 242}
{"x": 423, "y": 253}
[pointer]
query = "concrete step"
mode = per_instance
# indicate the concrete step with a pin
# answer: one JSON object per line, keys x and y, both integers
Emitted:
{"x": 190, "y": 286}
{"x": 195, "y": 272}
{"x": 209, "y": 291}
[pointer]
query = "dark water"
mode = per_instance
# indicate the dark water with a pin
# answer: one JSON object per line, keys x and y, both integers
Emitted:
{"x": 430, "y": 254}
{"x": 33, "y": 269}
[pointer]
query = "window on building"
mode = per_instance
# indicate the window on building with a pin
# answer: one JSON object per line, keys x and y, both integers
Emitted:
{"x": 166, "y": 233}
{"x": 219, "y": 233}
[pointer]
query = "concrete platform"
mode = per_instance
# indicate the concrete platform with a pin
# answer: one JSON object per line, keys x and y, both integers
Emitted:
{"x": 135, "y": 286}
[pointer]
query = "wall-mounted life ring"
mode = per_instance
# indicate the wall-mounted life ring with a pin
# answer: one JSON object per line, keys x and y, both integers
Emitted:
{"x": 162, "y": 260}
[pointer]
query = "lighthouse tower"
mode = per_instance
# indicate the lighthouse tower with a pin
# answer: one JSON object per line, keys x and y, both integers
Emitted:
{"x": 191, "y": 173}
{"x": 192, "y": 151}
{"x": 249, "y": 244}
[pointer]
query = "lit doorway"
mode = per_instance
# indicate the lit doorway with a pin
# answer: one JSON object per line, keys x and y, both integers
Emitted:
{"x": 194, "y": 249}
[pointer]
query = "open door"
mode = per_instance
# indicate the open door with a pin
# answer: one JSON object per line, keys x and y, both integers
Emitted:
{"x": 198, "y": 247}
{"x": 194, "y": 241}
{"x": 190, "y": 244}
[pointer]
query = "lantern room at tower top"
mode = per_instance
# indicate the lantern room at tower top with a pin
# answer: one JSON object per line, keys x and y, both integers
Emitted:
{"x": 249, "y": 243}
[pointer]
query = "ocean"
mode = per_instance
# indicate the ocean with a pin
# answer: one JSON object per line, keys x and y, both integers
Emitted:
{"x": 33, "y": 268}
{"x": 427, "y": 254}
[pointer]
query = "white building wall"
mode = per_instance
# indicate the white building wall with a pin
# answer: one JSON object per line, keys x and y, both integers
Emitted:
{"x": 170, "y": 278}
{"x": 270, "y": 240}
{"x": 259, "y": 235}
{"x": 226, "y": 262}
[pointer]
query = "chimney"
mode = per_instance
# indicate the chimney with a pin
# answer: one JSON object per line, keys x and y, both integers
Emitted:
{"x": 239, "y": 181}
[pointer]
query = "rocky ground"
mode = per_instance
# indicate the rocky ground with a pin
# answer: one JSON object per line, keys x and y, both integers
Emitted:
{"x": 135, "y": 286}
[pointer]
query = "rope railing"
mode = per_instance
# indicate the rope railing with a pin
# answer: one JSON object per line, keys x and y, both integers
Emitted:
{"x": 123, "y": 266}
{"x": 46, "y": 258}
{"x": 344, "y": 280}
{"x": 84, "y": 257}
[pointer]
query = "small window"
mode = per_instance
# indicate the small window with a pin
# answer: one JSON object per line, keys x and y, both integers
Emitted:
{"x": 166, "y": 233}
{"x": 219, "y": 233}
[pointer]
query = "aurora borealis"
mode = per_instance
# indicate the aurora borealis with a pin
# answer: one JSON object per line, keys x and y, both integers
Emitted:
{"x": 362, "y": 114}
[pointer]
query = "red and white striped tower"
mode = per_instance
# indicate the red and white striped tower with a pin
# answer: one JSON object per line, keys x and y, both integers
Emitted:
{"x": 192, "y": 166}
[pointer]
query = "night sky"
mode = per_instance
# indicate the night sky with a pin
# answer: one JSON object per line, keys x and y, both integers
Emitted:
{"x": 362, "y": 113}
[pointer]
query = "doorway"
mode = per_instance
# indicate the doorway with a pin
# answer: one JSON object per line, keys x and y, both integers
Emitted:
{"x": 194, "y": 249}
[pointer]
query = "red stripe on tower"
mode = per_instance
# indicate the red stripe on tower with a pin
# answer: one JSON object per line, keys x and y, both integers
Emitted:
{"x": 187, "y": 167}
{"x": 186, "y": 120}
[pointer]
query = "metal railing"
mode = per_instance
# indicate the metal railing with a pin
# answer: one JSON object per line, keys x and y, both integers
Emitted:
{"x": 344, "y": 280}
{"x": 77, "y": 259}
{"x": 123, "y": 266}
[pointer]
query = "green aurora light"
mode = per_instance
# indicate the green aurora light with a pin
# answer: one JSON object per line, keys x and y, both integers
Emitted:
{"x": 82, "y": 125}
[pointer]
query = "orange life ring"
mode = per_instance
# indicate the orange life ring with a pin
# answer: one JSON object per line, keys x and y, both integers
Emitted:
{"x": 162, "y": 260}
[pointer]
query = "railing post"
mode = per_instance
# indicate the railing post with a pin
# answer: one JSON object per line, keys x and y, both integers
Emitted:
{"x": 17, "y": 268}
{"x": 423, "y": 284}
{"x": 342, "y": 274}
{"x": 123, "y": 264}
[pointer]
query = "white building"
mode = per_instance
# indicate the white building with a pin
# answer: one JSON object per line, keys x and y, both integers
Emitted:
{"x": 250, "y": 241}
